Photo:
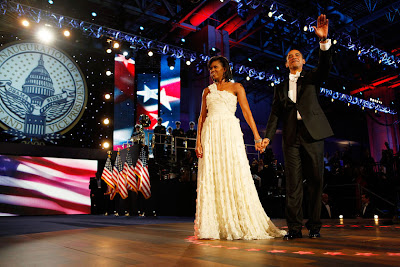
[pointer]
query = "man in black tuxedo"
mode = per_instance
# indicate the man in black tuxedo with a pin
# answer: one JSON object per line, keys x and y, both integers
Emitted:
{"x": 304, "y": 128}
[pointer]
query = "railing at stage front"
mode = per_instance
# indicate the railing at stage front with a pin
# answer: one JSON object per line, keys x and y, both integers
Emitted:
{"x": 171, "y": 144}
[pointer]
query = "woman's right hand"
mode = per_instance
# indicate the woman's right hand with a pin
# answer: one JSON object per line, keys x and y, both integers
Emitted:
{"x": 199, "y": 151}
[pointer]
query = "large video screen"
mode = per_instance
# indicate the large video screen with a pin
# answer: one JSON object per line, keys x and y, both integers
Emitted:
{"x": 44, "y": 185}
{"x": 170, "y": 92}
{"x": 124, "y": 100}
{"x": 147, "y": 97}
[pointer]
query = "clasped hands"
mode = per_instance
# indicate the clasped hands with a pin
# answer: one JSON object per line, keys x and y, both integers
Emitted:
{"x": 262, "y": 145}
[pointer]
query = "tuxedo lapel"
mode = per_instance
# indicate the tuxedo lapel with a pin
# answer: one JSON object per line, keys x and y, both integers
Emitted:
{"x": 299, "y": 85}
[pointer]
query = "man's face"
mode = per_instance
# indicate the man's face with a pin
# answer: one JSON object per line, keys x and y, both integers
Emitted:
{"x": 364, "y": 200}
{"x": 295, "y": 60}
{"x": 177, "y": 125}
{"x": 325, "y": 198}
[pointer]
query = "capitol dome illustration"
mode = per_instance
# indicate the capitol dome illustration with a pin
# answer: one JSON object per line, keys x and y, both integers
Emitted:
{"x": 38, "y": 85}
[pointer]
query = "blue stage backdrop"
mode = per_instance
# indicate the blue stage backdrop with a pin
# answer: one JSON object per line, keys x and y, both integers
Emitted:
{"x": 124, "y": 104}
{"x": 170, "y": 92}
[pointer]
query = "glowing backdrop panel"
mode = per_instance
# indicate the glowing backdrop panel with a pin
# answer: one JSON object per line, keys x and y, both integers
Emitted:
{"x": 45, "y": 186}
{"x": 170, "y": 92}
{"x": 124, "y": 96}
{"x": 147, "y": 96}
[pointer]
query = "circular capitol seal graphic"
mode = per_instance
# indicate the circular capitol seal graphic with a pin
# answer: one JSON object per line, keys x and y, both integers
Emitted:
{"x": 42, "y": 91}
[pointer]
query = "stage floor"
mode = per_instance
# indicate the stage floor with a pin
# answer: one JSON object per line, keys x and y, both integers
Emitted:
{"x": 132, "y": 241}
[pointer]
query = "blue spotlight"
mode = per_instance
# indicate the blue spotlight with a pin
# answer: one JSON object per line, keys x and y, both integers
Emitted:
{"x": 51, "y": 2}
{"x": 94, "y": 14}
{"x": 183, "y": 40}
{"x": 141, "y": 28}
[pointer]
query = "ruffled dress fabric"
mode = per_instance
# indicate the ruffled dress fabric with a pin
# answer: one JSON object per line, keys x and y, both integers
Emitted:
{"x": 227, "y": 205}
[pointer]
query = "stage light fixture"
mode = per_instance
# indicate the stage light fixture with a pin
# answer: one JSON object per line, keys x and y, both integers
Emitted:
{"x": 270, "y": 14}
{"x": 115, "y": 45}
{"x": 150, "y": 53}
{"x": 67, "y": 33}
{"x": 25, "y": 23}
{"x": 183, "y": 40}
{"x": 106, "y": 121}
{"x": 376, "y": 216}
{"x": 108, "y": 50}
{"x": 108, "y": 73}
{"x": 141, "y": 28}
{"x": 277, "y": 67}
{"x": 247, "y": 78}
{"x": 188, "y": 62}
{"x": 51, "y": 2}
{"x": 171, "y": 62}
{"x": 380, "y": 61}
{"x": 340, "y": 216}
{"x": 106, "y": 144}
{"x": 272, "y": 84}
{"x": 221, "y": 1}
{"x": 334, "y": 41}
{"x": 107, "y": 96}
{"x": 94, "y": 14}
{"x": 214, "y": 51}
{"x": 249, "y": 59}
{"x": 305, "y": 28}
{"x": 45, "y": 35}
{"x": 125, "y": 53}
{"x": 359, "y": 52}
{"x": 344, "y": 87}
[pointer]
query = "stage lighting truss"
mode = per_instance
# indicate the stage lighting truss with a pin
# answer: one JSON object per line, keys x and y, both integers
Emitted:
{"x": 352, "y": 100}
{"x": 141, "y": 43}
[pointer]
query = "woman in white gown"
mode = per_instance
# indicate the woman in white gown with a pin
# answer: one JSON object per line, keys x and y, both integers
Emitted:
{"x": 227, "y": 205}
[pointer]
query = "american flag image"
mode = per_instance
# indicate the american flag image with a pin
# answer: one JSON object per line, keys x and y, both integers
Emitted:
{"x": 44, "y": 185}
{"x": 107, "y": 175}
{"x": 129, "y": 172}
{"x": 118, "y": 175}
{"x": 142, "y": 173}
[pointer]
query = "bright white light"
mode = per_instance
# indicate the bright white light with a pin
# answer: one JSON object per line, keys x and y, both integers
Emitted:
{"x": 108, "y": 73}
{"x": 183, "y": 40}
{"x": 305, "y": 28}
{"x": 272, "y": 84}
{"x": 141, "y": 28}
{"x": 116, "y": 45}
{"x": 380, "y": 61}
{"x": 249, "y": 59}
{"x": 45, "y": 35}
{"x": 221, "y": 1}
{"x": 188, "y": 62}
{"x": 51, "y": 2}
{"x": 150, "y": 53}
{"x": 340, "y": 216}
{"x": 106, "y": 144}
{"x": 376, "y": 216}
{"x": 248, "y": 78}
{"x": 270, "y": 14}
{"x": 277, "y": 67}
{"x": 171, "y": 67}
{"x": 125, "y": 53}
{"x": 335, "y": 41}
{"x": 94, "y": 14}
{"x": 67, "y": 33}
{"x": 108, "y": 50}
{"x": 107, "y": 96}
{"x": 106, "y": 121}
{"x": 25, "y": 23}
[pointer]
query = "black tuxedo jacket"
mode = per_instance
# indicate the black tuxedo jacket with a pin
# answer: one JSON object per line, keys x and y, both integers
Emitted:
{"x": 283, "y": 108}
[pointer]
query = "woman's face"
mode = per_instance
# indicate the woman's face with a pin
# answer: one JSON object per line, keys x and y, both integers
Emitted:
{"x": 217, "y": 70}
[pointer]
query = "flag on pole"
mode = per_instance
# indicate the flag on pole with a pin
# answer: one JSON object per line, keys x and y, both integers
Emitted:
{"x": 142, "y": 173}
{"x": 119, "y": 176}
{"x": 129, "y": 172}
{"x": 107, "y": 175}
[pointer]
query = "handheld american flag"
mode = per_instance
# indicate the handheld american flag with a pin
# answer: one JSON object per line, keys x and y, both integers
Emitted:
{"x": 107, "y": 175}
{"x": 129, "y": 172}
{"x": 119, "y": 176}
{"x": 142, "y": 172}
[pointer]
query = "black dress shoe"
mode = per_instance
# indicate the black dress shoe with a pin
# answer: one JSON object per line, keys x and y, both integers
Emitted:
{"x": 314, "y": 234}
{"x": 292, "y": 235}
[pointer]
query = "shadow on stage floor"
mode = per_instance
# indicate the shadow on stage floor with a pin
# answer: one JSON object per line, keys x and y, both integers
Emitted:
{"x": 95, "y": 240}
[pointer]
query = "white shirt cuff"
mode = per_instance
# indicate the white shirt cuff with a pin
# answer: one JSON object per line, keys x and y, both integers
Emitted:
{"x": 325, "y": 46}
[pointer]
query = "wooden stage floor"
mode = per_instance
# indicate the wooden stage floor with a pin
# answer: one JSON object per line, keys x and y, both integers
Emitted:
{"x": 353, "y": 243}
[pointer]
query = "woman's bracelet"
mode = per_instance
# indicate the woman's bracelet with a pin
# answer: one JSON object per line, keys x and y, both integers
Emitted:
{"x": 258, "y": 140}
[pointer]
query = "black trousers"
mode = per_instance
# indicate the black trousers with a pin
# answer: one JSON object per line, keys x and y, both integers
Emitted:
{"x": 304, "y": 162}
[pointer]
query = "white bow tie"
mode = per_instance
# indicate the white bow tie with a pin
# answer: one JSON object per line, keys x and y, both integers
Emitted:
{"x": 293, "y": 77}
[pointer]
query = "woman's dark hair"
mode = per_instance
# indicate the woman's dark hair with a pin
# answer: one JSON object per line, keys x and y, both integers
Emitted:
{"x": 225, "y": 64}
